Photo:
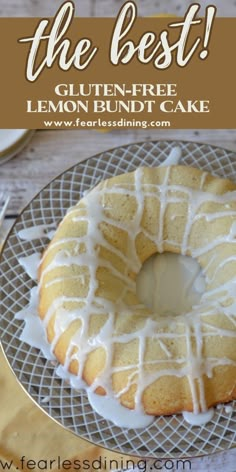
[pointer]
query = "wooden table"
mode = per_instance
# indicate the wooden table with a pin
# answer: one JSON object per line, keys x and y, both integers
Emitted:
{"x": 51, "y": 152}
{"x": 109, "y": 7}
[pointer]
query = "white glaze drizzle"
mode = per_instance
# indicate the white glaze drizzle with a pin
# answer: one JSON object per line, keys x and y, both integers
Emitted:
{"x": 37, "y": 232}
{"x": 112, "y": 410}
{"x": 173, "y": 158}
{"x": 33, "y": 332}
{"x": 46, "y": 399}
{"x": 107, "y": 407}
{"x": 191, "y": 322}
{"x": 200, "y": 419}
{"x": 31, "y": 264}
{"x": 228, "y": 409}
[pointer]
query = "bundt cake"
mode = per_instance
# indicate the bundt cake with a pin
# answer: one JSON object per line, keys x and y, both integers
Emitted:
{"x": 97, "y": 326}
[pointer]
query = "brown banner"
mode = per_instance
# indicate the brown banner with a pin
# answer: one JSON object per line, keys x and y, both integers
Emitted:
{"x": 201, "y": 94}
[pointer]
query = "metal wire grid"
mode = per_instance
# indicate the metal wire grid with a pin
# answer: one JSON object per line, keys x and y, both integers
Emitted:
{"x": 168, "y": 437}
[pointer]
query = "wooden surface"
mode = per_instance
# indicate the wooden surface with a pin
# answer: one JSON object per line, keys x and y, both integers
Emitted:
{"x": 108, "y": 7}
{"x": 51, "y": 152}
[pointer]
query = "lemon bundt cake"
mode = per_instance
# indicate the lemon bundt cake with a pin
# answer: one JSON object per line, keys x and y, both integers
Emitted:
{"x": 98, "y": 328}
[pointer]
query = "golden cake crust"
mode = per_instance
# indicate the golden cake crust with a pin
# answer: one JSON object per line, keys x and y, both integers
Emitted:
{"x": 97, "y": 326}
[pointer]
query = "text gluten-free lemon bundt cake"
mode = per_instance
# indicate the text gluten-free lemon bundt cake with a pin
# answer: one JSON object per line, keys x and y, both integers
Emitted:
{"x": 97, "y": 326}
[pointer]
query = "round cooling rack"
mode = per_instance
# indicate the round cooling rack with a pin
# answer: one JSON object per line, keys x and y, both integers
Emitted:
{"x": 167, "y": 437}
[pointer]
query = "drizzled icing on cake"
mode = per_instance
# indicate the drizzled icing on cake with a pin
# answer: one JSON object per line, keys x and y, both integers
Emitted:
{"x": 192, "y": 366}
{"x": 200, "y": 419}
{"x": 193, "y": 328}
{"x": 173, "y": 158}
{"x": 36, "y": 232}
{"x": 34, "y": 335}
{"x": 31, "y": 264}
{"x": 33, "y": 332}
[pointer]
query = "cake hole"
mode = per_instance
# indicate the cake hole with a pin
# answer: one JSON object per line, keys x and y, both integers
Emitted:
{"x": 170, "y": 284}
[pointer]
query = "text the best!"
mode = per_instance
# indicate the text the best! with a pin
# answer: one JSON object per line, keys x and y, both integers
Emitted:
{"x": 158, "y": 48}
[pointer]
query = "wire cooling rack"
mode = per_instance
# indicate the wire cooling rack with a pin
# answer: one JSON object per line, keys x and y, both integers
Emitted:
{"x": 167, "y": 437}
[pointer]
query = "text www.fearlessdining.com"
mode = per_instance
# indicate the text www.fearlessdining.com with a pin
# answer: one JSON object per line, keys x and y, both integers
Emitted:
{"x": 99, "y": 123}
{"x": 102, "y": 463}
